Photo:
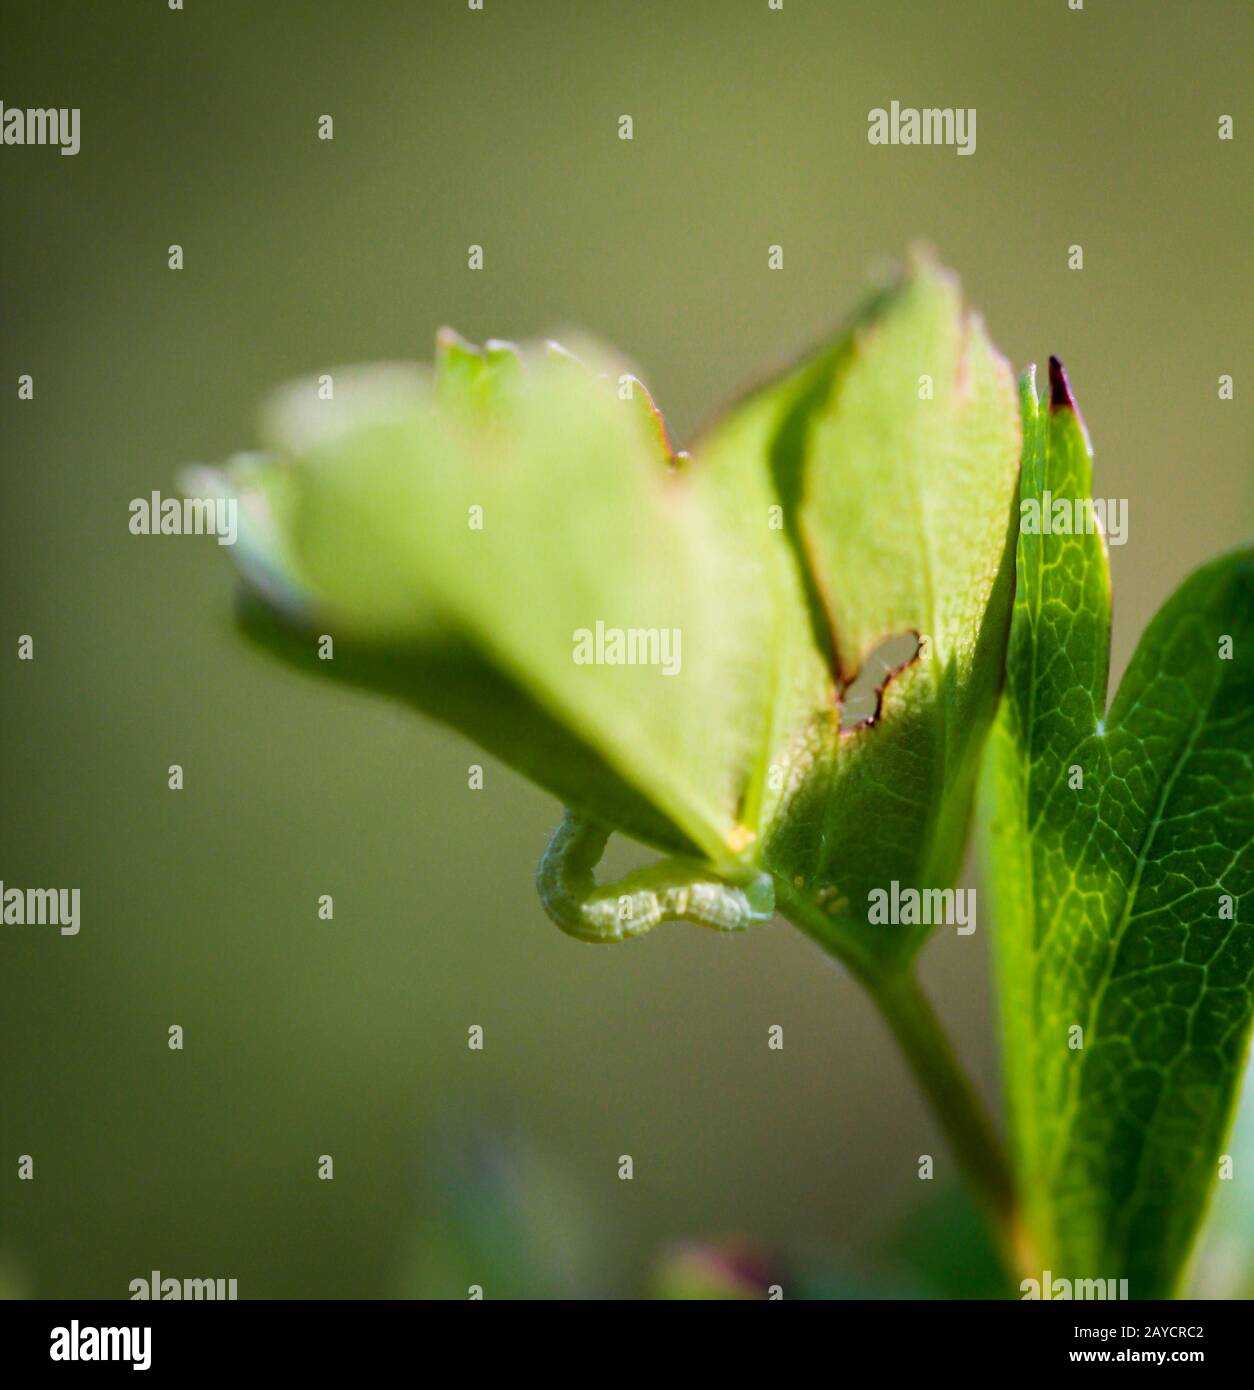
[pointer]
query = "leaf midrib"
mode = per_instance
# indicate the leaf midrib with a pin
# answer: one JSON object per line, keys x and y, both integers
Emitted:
{"x": 1098, "y": 995}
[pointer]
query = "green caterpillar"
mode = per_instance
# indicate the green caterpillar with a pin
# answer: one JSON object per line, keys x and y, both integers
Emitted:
{"x": 674, "y": 890}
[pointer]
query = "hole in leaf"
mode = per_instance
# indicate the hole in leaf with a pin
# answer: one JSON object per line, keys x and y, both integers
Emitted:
{"x": 860, "y": 700}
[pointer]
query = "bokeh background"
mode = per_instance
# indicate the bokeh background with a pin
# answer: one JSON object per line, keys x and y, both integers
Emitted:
{"x": 348, "y": 1038}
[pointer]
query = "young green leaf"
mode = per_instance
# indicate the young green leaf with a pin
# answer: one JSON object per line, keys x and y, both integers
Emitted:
{"x": 445, "y": 678}
{"x": 530, "y": 521}
{"x": 905, "y": 482}
{"x": 1122, "y": 872}
{"x": 665, "y": 640}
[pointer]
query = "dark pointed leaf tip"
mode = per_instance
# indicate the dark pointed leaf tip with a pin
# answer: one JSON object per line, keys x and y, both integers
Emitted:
{"x": 1060, "y": 397}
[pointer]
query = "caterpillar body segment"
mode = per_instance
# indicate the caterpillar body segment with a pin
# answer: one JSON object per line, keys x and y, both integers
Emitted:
{"x": 670, "y": 891}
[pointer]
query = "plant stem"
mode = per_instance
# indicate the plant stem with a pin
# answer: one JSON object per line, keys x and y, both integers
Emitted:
{"x": 954, "y": 1103}
{"x": 950, "y": 1095}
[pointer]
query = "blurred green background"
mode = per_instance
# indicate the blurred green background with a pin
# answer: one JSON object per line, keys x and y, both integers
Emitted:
{"x": 348, "y": 1038}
